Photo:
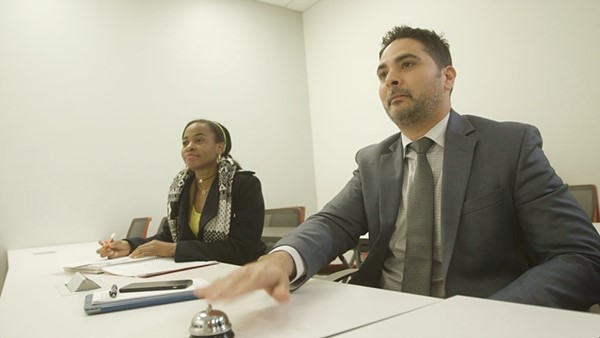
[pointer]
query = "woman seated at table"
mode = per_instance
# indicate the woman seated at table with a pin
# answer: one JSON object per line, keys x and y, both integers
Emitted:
{"x": 215, "y": 210}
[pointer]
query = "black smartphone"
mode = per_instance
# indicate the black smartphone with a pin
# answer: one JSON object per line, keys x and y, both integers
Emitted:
{"x": 152, "y": 286}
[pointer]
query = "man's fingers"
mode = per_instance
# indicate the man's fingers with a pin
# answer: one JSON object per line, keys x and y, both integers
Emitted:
{"x": 281, "y": 291}
{"x": 231, "y": 286}
{"x": 201, "y": 293}
{"x": 256, "y": 276}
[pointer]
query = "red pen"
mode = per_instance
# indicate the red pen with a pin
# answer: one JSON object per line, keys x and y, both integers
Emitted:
{"x": 108, "y": 241}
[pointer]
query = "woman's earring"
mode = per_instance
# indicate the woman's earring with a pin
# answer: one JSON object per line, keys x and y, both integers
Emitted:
{"x": 218, "y": 158}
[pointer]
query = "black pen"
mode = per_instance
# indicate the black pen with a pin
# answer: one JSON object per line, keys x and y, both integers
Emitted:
{"x": 113, "y": 291}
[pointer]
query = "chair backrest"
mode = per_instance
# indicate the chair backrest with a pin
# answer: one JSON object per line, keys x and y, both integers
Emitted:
{"x": 139, "y": 227}
{"x": 587, "y": 196}
{"x": 284, "y": 217}
{"x": 163, "y": 221}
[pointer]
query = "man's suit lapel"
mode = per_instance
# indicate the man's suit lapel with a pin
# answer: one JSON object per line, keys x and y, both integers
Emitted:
{"x": 458, "y": 156}
{"x": 389, "y": 192}
{"x": 390, "y": 188}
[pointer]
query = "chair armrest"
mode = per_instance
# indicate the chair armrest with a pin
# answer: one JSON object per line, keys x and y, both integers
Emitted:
{"x": 339, "y": 276}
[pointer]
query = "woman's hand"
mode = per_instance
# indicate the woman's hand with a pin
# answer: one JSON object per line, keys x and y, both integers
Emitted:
{"x": 154, "y": 248}
{"x": 114, "y": 249}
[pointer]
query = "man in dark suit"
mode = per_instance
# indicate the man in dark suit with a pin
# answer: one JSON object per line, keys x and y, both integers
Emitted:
{"x": 504, "y": 226}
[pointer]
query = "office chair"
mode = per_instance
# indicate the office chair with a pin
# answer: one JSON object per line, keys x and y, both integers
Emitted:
{"x": 294, "y": 216}
{"x": 587, "y": 196}
{"x": 341, "y": 276}
{"x": 139, "y": 227}
{"x": 284, "y": 217}
{"x": 163, "y": 221}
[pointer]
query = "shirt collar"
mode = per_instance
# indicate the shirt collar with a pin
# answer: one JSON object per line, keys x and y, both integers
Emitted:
{"x": 437, "y": 133}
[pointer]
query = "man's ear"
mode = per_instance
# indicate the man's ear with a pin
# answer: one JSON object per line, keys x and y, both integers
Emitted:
{"x": 450, "y": 75}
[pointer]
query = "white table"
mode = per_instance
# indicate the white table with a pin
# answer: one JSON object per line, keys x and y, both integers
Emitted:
{"x": 466, "y": 317}
{"x": 31, "y": 306}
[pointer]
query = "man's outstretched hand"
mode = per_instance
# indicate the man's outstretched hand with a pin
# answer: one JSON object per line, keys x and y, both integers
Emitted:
{"x": 270, "y": 273}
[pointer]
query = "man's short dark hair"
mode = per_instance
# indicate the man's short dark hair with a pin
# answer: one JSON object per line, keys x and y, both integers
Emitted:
{"x": 435, "y": 45}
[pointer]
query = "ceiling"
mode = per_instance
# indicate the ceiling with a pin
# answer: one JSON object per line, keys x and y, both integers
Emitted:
{"x": 295, "y": 5}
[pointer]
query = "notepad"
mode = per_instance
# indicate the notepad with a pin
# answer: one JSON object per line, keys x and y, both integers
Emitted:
{"x": 101, "y": 302}
{"x": 136, "y": 267}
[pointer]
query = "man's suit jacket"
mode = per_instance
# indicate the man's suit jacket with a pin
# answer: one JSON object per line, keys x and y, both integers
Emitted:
{"x": 510, "y": 228}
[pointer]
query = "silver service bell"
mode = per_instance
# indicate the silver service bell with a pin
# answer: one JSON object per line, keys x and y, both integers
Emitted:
{"x": 211, "y": 324}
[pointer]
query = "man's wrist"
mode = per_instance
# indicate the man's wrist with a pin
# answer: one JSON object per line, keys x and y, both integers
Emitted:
{"x": 285, "y": 260}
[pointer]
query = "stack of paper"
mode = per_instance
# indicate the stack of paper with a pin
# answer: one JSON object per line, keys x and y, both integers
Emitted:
{"x": 136, "y": 267}
{"x": 98, "y": 265}
{"x": 153, "y": 267}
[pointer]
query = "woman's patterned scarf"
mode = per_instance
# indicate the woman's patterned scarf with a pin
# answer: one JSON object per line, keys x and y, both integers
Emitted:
{"x": 217, "y": 228}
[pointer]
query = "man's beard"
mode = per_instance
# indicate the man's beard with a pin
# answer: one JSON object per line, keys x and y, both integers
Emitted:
{"x": 421, "y": 109}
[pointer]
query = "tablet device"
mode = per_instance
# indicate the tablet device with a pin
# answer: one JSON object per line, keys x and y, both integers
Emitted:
{"x": 159, "y": 285}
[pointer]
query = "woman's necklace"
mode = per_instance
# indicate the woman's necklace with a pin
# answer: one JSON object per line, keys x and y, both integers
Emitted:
{"x": 200, "y": 180}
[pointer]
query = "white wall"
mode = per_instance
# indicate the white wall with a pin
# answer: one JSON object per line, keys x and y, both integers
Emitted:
{"x": 94, "y": 96}
{"x": 534, "y": 61}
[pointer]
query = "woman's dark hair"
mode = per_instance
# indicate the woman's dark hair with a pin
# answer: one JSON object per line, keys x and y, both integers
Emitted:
{"x": 221, "y": 133}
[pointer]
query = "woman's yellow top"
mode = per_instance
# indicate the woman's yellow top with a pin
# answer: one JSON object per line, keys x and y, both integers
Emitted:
{"x": 194, "y": 220}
